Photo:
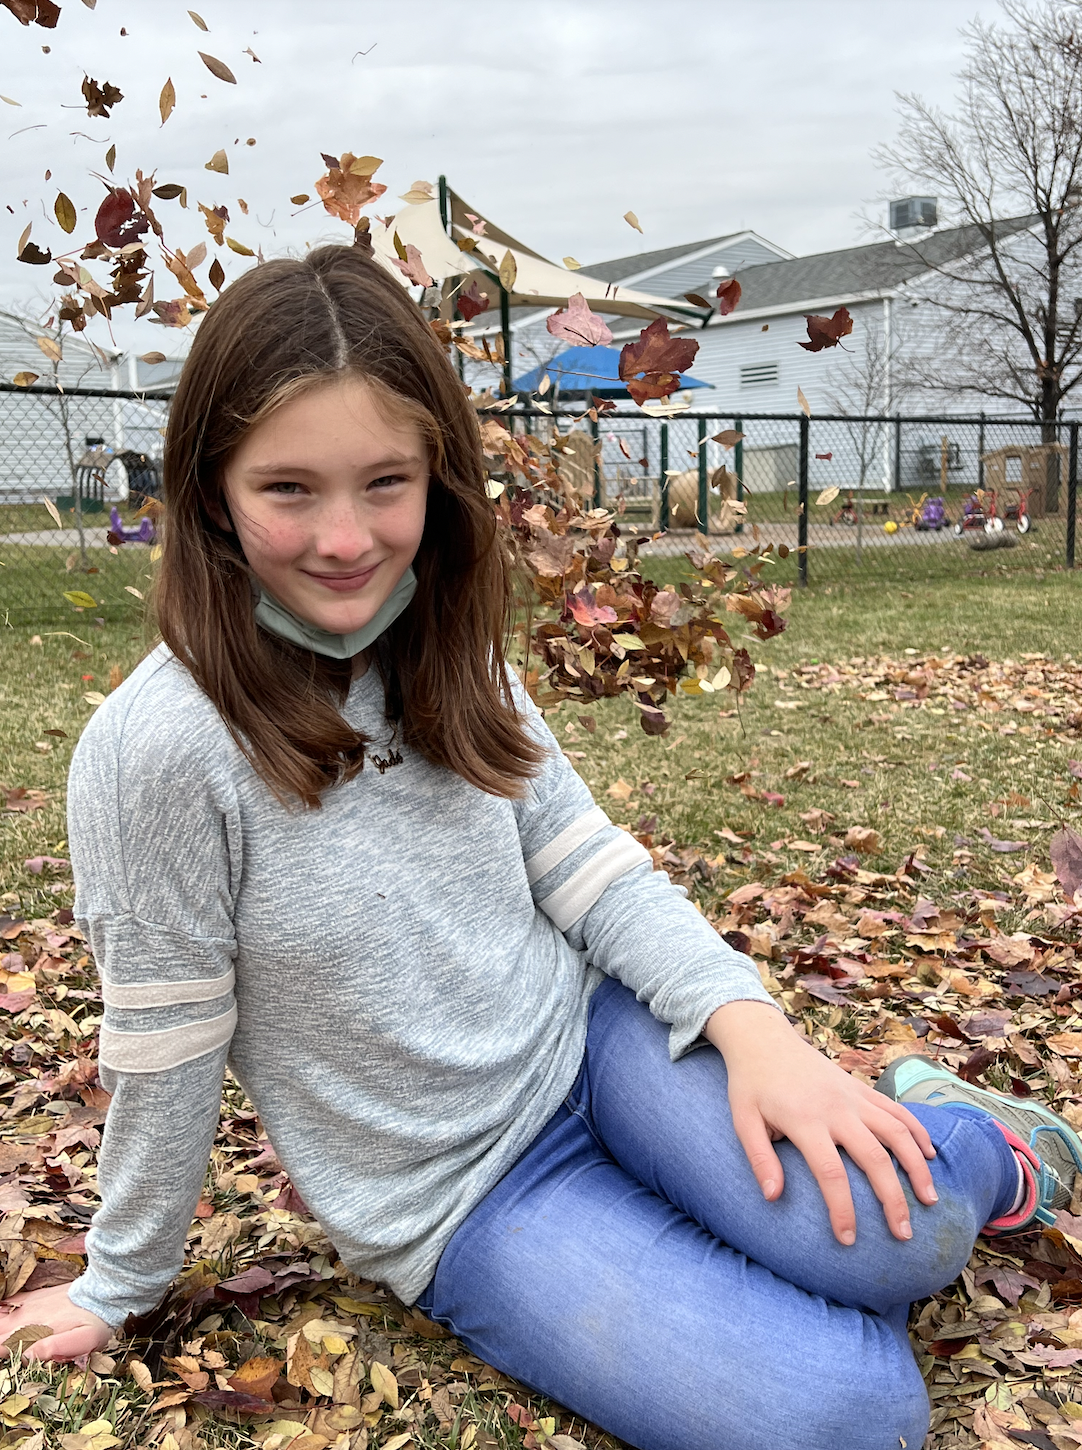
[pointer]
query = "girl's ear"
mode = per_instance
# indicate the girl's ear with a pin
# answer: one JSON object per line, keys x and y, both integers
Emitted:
{"x": 220, "y": 514}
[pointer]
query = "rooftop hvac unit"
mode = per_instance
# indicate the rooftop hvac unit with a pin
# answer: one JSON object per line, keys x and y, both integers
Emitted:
{"x": 913, "y": 213}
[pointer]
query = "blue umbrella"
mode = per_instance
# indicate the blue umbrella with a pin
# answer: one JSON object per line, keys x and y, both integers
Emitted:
{"x": 587, "y": 370}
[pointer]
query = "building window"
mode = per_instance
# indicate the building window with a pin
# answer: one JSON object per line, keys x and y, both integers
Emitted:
{"x": 758, "y": 374}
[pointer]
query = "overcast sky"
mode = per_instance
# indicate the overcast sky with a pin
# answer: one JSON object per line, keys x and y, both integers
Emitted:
{"x": 701, "y": 116}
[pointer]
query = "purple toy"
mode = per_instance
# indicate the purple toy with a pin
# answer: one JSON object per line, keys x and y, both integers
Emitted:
{"x": 933, "y": 516}
{"x": 118, "y": 534}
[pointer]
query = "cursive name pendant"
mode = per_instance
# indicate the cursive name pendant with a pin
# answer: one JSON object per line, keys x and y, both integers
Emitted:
{"x": 395, "y": 758}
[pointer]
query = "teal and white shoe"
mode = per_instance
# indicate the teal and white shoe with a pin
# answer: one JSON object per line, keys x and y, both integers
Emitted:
{"x": 1048, "y": 1148}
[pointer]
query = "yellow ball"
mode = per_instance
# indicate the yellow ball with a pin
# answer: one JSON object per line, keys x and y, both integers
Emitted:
{"x": 890, "y": 527}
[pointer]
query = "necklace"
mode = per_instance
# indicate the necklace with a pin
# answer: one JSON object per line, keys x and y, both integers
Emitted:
{"x": 395, "y": 758}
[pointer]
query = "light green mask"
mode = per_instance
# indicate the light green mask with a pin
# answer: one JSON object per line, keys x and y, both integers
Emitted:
{"x": 281, "y": 621}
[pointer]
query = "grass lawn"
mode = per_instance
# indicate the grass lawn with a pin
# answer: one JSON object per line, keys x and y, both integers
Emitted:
{"x": 944, "y": 757}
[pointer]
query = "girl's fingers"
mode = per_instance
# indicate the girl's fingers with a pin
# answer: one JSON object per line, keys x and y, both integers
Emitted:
{"x": 869, "y": 1154}
{"x": 821, "y": 1155}
{"x": 754, "y": 1138}
{"x": 68, "y": 1344}
{"x": 914, "y": 1126}
{"x": 895, "y": 1136}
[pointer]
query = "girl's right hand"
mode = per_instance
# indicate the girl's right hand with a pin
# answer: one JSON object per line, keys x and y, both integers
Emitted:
{"x": 75, "y": 1331}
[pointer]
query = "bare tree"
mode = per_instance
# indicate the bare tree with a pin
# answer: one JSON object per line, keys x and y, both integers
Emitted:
{"x": 1012, "y": 149}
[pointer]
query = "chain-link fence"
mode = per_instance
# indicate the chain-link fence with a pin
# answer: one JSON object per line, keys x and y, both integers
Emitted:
{"x": 95, "y": 457}
{"x": 897, "y": 499}
{"x": 914, "y": 497}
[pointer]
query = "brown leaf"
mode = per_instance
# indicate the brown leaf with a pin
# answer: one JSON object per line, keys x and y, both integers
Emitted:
{"x": 218, "y": 162}
{"x": 1065, "y": 849}
{"x": 65, "y": 212}
{"x": 728, "y": 296}
{"x": 217, "y": 67}
{"x": 100, "y": 99}
{"x": 864, "y": 839}
{"x": 257, "y": 1376}
{"x": 166, "y": 101}
{"x": 346, "y": 193}
{"x": 828, "y": 331}
{"x": 37, "y": 12}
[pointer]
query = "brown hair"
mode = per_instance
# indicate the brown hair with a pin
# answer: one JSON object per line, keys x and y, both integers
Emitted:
{"x": 282, "y": 327}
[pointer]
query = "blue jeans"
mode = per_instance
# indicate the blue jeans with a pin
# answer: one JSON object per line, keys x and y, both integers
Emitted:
{"x": 629, "y": 1267}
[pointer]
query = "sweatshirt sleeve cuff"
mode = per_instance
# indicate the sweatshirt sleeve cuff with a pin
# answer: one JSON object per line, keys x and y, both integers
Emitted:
{"x": 687, "y": 1027}
{"x": 86, "y": 1293}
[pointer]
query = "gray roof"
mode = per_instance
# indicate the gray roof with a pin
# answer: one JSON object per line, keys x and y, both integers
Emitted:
{"x": 878, "y": 267}
{"x": 621, "y": 267}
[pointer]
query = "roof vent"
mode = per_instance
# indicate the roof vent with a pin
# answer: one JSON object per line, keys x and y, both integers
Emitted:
{"x": 913, "y": 215}
{"x": 721, "y": 270}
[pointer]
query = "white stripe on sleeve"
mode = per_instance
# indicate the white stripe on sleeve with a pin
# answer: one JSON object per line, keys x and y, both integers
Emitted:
{"x": 166, "y": 994}
{"x": 569, "y": 839}
{"x": 159, "y": 1051}
{"x": 579, "y": 892}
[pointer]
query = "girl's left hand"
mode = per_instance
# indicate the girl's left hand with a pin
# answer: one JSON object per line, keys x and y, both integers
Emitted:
{"x": 780, "y": 1086}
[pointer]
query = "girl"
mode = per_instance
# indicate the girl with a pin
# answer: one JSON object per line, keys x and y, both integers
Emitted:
{"x": 321, "y": 835}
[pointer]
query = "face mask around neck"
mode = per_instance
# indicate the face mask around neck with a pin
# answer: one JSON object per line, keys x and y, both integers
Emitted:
{"x": 275, "y": 617}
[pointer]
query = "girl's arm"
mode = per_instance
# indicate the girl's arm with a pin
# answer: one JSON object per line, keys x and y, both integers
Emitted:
{"x": 155, "y": 845}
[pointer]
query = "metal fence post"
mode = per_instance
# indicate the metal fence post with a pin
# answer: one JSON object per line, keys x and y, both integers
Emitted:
{"x": 594, "y": 431}
{"x": 897, "y": 453}
{"x": 663, "y": 464}
{"x": 980, "y": 453}
{"x": 704, "y": 493}
{"x": 738, "y": 464}
{"x": 1072, "y": 493}
{"x": 802, "y": 512}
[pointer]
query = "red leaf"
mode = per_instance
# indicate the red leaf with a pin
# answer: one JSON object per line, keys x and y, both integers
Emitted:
{"x": 587, "y": 611}
{"x": 413, "y": 267}
{"x": 240, "y": 1404}
{"x": 1066, "y": 853}
{"x": 743, "y": 671}
{"x": 828, "y": 331}
{"x": 118, "y": 220}
{"x": 576, "y": 323}
{"x": 653, "y": 721}
{"x": 472, "y": 301}
{"x": 660, "y": 357}
{"x": 728, "y": 296}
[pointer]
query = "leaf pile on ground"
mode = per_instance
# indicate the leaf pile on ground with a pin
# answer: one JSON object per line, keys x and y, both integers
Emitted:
{"x": 266, "y": 1338}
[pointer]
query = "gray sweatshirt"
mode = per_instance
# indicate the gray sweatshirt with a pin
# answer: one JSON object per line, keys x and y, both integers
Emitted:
{"x": 399, "y": 981}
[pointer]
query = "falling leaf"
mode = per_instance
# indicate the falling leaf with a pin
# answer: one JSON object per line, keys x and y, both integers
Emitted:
{"x": 472, "y": 301}
{"x": 728, "y": 438}
{"x": 218, "y": 162}
{"x": 696, "y": 299}
{"x": 100, "y": 99}
{"x": 25, "y": 380}
{"x": 118, "y": 220}
{"x": 827, "y": 496}
{"x": 239, "y": 247}
{"x": 53, "y": 512}
{"x": 216, "y": 273}
{"x": 32, "y": 254}
{"x": 577, "y": 324}
{"x": 583, "y": 605}
{"x": 217, "y": 67}
{"x": 632, "y": 221}
{"x": 508, "y": 272}
{"x": 50, "y": 348}
{"x": 660, "y": 357}
{"x": 412, "y": 266}
{"x": 420, "y": 191}
{"x": 571, "y": 264}
{"x": 828, "y": 331}
{"x": 132, "y": 590}
{"x": 346, "y": 193}
{"x": 8, "y": 101}
{"x": 728, "y": 296}
{"x": 80, "y": 599}
{"x": 494, "y": 488}
{"x": 805, "y": 406}
{"x": 65, "y": 213}
{"x": 94, "y": 697}
{"x": 168, "y": 99}
{"x": 110, "y": 157}
{"x": 198, "y": 19}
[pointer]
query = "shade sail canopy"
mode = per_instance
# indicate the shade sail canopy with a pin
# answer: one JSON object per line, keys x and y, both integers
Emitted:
{"x": 538, "y": 282}
{"x": 587, "y": 370}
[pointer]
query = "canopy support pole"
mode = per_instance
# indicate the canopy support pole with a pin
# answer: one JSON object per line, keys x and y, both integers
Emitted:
{"x": 505, "y": 330}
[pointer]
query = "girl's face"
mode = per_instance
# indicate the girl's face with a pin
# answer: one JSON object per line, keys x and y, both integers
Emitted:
{"x": 327, "y": 498}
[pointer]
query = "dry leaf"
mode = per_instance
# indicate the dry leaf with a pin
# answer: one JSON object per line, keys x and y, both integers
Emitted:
{"x": 50, "y": 349}
{"x": 632, "y": 221}
{"x": 198, "y": 19}
{"x": 827, "y": 496}
{"x": 217, "y": 67}
{"x": 167, "y": 100}
{"x": 65, "y": 213}
{"x": 25, "y": 379}
{"x": 218, "y": 162}
{"x": 384, "y": 1383}
{"x": 805, "y": 406}
{"x": 508, "y": 272}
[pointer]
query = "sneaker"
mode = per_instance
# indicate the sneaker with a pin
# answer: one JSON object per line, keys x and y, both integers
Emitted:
{"x": 1046, "y": 1145}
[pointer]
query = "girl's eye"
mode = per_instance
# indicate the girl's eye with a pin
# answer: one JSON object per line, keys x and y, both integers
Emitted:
{"x": 284, "y": 488}
{"x": 387, "y": 481}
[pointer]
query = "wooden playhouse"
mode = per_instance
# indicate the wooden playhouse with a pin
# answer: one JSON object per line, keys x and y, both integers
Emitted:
{"x": 1036, "y": 468}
